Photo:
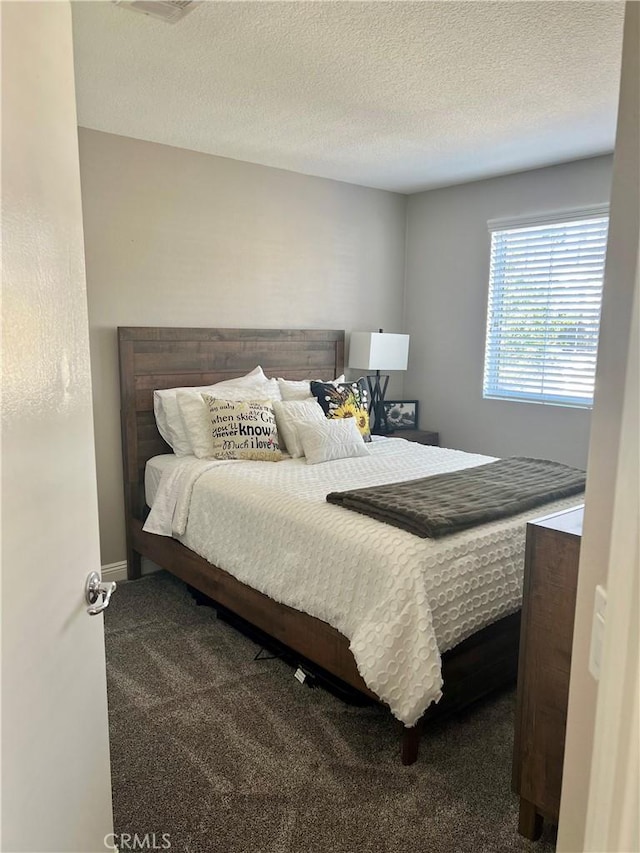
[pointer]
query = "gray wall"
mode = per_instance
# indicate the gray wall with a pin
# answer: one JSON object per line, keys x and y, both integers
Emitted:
{"x": 178, "y": 238}
{"x": 174, "y": 237}
{"x": 447, "y": 272}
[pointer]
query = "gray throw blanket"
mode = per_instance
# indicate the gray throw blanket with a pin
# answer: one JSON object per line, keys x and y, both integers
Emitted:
{"x": 447, "y": 503}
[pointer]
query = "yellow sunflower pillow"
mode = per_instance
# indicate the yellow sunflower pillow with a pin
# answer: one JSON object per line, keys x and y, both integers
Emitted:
{"x": 347, "y": 400}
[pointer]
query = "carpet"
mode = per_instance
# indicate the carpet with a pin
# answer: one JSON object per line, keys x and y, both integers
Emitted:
{"x": 227, "y": 754}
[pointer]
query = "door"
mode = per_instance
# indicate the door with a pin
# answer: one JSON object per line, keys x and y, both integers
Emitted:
{"x": 599, "y": 745}
{"x": 56, "y": 792}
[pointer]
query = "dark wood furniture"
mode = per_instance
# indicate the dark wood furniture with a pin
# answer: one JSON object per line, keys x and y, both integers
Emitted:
{"x": 151, "y": 358}
{"x": 420, "y": 436}
{"x": 548, "y": 607}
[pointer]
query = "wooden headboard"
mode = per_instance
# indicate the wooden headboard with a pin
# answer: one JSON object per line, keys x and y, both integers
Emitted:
{"x": 154, "y": 357}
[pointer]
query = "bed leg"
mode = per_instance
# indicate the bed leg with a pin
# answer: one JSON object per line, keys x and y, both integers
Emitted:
{"x": 410, "y": 744}
{"x": 529, "y": 821}
{"x": 134, "y": 564}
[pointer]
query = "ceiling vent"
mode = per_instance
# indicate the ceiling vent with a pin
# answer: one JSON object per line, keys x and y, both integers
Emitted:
{"x": 167, "y": 10}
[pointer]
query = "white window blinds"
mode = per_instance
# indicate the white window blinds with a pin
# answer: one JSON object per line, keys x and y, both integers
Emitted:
{"x": 545, "y": 292}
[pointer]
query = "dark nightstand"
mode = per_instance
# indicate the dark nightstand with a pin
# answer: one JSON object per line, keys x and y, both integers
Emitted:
{"x": 421, "y": 436}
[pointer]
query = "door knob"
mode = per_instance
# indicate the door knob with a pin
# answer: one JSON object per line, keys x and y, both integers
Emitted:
{"x": 93, "y": 589}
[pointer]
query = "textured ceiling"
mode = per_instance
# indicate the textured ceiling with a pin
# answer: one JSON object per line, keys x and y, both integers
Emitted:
{"x": 398, "y": 95}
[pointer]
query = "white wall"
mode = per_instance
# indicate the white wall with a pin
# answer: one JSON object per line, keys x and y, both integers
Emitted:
{"x": 178, "y": 238}
{"x": 447, "y": 273}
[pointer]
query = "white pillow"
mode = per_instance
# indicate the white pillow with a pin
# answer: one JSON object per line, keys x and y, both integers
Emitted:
{"x": 292, "y": 389}
{"x": 165, "y": 408}
{"x": 242, "y": 430}
{"x": 291, "y": 413}
{"x": 324, "y": 441}
{"x": 168, "y": 420}
{"x": 194, "y": 415}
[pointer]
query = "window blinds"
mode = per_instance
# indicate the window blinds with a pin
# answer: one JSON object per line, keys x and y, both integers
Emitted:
{"x": 545, "y": 293}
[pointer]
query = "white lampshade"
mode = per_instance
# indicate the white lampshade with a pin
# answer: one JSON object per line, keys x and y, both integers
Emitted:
{"x": 378, "y": 351}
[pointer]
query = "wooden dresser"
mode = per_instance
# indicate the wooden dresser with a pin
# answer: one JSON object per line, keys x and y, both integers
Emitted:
{"x": 548, "y": 607}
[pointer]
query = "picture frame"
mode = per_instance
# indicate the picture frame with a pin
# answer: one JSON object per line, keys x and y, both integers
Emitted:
{"x": 401, "y": 414}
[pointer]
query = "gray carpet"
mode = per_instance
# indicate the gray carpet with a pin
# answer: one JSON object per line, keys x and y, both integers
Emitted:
{"x": 232, "y": 755}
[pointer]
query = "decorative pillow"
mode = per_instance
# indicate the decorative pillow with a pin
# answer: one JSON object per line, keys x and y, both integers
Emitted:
{"x": 327, "y": 440}
{"x": 347, "y": 400}
{"x": 194, "y": 414}
{"x": 243, "y": 430}
{"x": 168, "y": 419}
{"x": 300, "y": 390}
{"x": 291, "y": 413}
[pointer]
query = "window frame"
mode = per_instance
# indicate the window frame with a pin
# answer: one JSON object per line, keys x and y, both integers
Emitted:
{"x": 490, "y": 385}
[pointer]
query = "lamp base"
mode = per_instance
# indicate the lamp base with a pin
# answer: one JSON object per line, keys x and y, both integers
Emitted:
{"x": 377, "y": 391}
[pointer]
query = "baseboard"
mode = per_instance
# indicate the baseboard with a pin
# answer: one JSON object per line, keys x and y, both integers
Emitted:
{"x": 118, "y": 571}
{"x": 115, "y": 571}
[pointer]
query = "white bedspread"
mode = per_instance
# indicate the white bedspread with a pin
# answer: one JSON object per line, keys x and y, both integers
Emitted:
{"x": 399, "y": 599}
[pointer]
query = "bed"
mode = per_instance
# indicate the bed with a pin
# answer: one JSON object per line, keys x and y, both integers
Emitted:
{"x": 155, "y": 358}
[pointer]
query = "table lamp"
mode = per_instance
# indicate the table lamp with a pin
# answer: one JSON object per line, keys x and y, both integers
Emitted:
{"x": 378, "y": 351}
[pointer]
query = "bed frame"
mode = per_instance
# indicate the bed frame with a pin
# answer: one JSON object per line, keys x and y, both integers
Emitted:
{"x": 157, "y": 357}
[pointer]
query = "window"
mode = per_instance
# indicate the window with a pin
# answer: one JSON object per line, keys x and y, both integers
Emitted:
{"x": 545, "y": 292}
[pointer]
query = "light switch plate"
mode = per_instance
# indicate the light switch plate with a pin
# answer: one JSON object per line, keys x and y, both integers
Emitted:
{"x": 597, "y": 631}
